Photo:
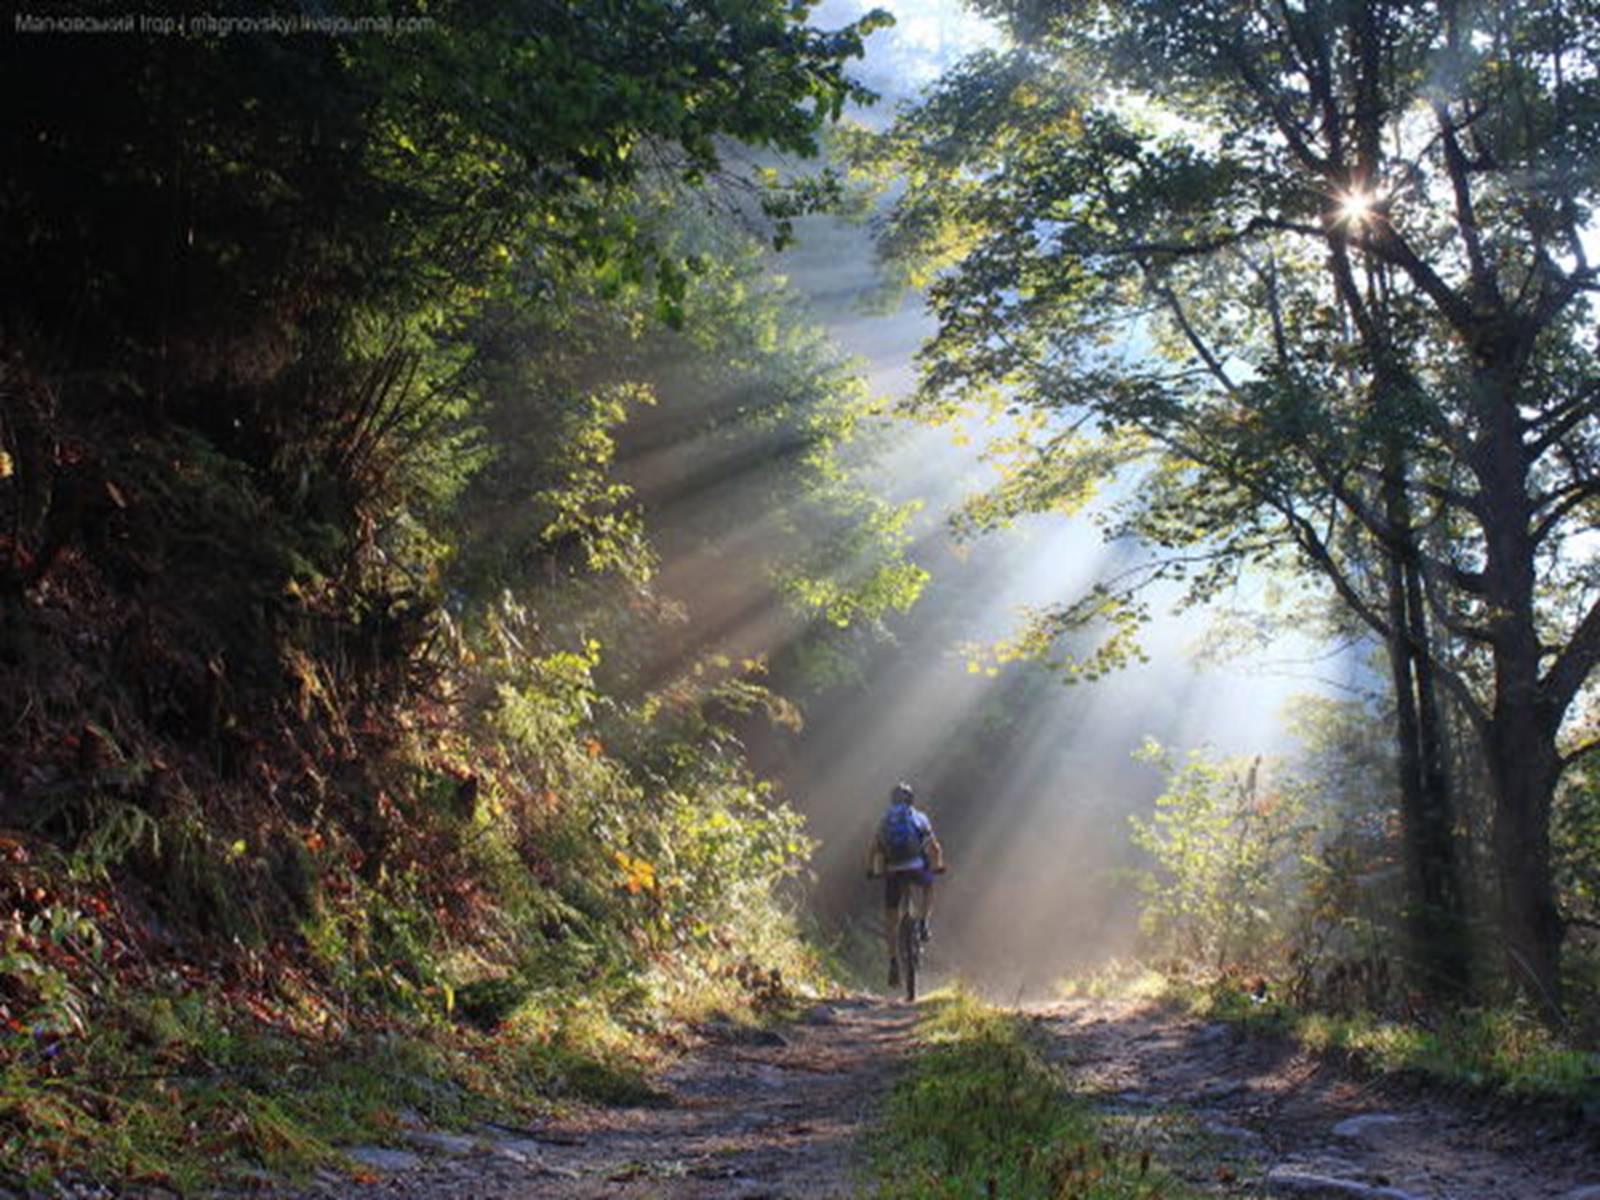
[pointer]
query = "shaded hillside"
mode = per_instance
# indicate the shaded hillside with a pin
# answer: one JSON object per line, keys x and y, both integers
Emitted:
{"x": 339, "y": 693}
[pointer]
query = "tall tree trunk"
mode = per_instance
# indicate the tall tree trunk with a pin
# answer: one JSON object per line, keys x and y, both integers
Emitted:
{"x": 1525, "y": 767}
{"x": 1520, "y": 734}
{"x": 1435, "y": 909}
{"x": 1441, "y": 889}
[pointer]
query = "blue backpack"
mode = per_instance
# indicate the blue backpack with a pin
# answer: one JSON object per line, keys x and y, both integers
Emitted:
{"x": 899, "y": 834}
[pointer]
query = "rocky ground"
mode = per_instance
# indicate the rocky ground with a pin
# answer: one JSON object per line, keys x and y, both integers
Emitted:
{"x": 1254, "y": 1116}
{"x": 748, "y": 1114}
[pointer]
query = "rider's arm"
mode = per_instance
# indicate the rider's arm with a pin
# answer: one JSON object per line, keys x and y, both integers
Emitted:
{"x": 934, "y": 851}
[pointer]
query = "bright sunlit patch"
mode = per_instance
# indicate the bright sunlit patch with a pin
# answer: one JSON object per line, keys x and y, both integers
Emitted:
{"x": 926, "y": 38}
{"x": 1358, "y": 207}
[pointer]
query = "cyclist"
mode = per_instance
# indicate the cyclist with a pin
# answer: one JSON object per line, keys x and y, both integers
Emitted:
{"x": 906, "y": 853}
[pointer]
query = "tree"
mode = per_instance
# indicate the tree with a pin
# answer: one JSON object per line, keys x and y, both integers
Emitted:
{"x": 710, "y": 472}
{"x": 237, "y": 233}
{"x": 1319, "y": 272}
{"x": 253, "y": 257}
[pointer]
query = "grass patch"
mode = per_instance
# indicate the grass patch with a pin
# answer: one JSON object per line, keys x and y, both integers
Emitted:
{"x": 1503, "y": 1051}
{"x": 205, "y": 1085}
{"x": 980, "y": 1113}
{"x": 1118, "y": 979}
{"x": 216, "y": 1098}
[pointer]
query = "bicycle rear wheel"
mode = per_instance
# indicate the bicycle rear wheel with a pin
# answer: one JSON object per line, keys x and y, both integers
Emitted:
{"x": 910, "y": 951}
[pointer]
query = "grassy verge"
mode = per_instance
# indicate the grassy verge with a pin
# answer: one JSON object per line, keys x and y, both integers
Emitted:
{"x": 1505, "y": 1051}
{"x": 980, "y": 1113}
{"x": 191, "y": 1094}
{"x": 191, "y": 1100}
{"x": 1502, "y": 1051}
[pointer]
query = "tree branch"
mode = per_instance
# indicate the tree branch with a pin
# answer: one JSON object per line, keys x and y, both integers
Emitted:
{"x": 1213, "y": 364}
{"x": 1556, "y": 424}
{"x": 1564, "y": 500}
{"x": 1221, "y": 241}
{"x": 1438, "y": 491}
{"x": 1293, "y": 133}
{"x": 1306, "y": 537}
{"x": 1576, "y": 755}
{"x": 1387, "y": 245}
{"x": 1456, "y": 167}
{"x": 1575, "y": 663}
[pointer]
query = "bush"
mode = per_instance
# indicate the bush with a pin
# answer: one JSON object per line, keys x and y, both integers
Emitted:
{"x": 1226, "y": 847}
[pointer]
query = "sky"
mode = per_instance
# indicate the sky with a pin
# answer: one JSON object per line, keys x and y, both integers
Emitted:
{"x": 927, "y": 37}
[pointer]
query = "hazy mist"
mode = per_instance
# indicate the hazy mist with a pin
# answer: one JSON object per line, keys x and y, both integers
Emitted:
{"x": 1030, "y": 781}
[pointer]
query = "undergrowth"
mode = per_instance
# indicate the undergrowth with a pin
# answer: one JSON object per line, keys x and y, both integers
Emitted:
{"x": 200, "y": 1085}
{"x": 1506, "y": 1050}
{"x": 980, "y": 1113}
{"x": 1502, "y": 1051}
{"x": 490, "y": 914}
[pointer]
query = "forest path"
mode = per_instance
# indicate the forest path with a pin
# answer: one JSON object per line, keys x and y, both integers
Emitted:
{"x": 1243, "y": 1115}
{"x": 746, "y": 1114}
{"x": 750, "y": 1114}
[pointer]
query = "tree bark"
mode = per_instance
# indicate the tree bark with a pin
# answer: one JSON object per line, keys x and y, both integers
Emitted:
{"x": 1436, "y": 927}
{"x": 1440, "y": 891}
{"x": 1525, "y": 767}
{"x": 1520, "y": 738}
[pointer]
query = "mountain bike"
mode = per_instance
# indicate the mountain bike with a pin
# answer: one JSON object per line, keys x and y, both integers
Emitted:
{"x": 908, "y": 939}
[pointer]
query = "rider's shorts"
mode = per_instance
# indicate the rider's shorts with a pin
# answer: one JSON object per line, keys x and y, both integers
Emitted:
{"x": 894, "y": 882}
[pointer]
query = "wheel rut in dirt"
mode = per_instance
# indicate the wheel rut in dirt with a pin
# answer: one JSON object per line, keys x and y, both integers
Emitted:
{"x": 1253, "y": 1115}
{"x": 745, "y": 1114}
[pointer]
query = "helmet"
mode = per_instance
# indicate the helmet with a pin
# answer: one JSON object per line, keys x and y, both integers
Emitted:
{"x": 901, "y": 793}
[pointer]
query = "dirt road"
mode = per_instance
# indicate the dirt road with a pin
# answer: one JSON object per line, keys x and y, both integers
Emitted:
{"x": 747, "y": 1114}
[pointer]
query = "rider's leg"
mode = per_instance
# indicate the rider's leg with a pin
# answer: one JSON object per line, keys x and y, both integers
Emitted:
{"x": 924, "y": 907}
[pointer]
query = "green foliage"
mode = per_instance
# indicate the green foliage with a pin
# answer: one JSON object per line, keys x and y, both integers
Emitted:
{"x": 686, "y": 858}
{"x": 979, "y": 1112}
{"x": 1227, "y": 847}
{"x": 41, "y": 994}
{"x": 1282, "y": 275}
{"x": 175, "y": 1090}
{"x": 347, "y": 223}
{"x": 1575, "y": 832}
{"x": 1498, "y": 1051}
{"x": 1350, "y": 901}
{"x": 509, "y": 952}
{"x": 588, "y": 506}
{"x": 340, "y": 670}
{"x": 621, "y": 445}
{"x": 762, "y": 391}
{"x": 403, "y": 174}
